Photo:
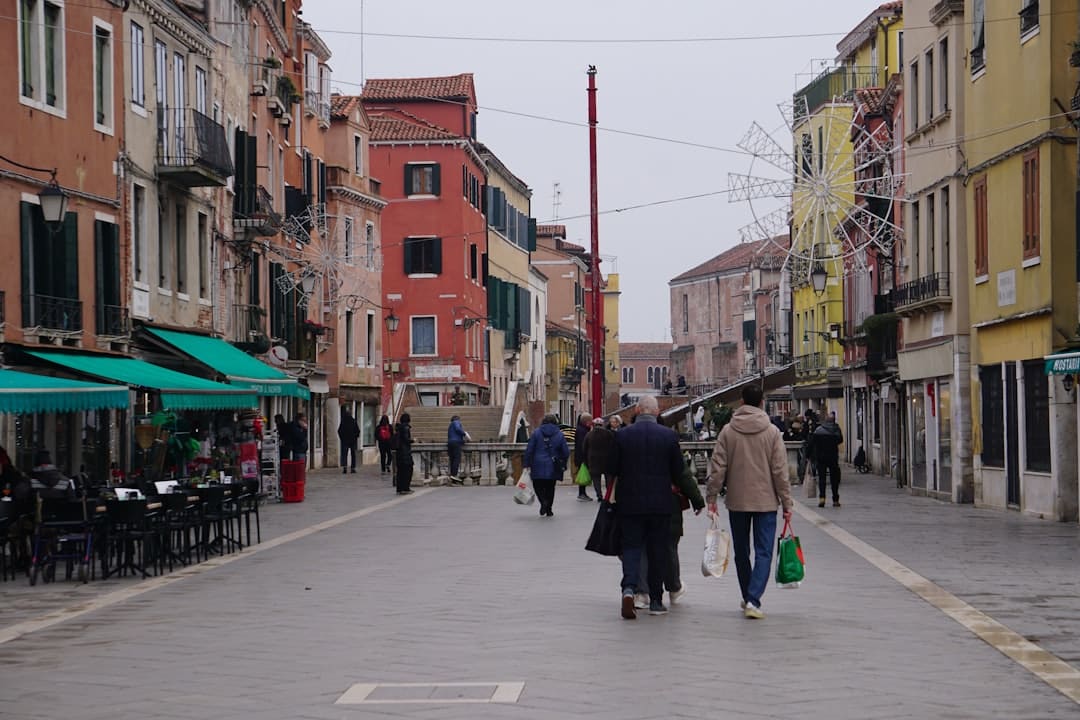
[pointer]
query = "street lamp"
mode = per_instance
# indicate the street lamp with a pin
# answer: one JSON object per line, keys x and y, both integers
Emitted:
{"x": 392, "y": 321}
{"x": 53, "y": 201}
{"x": 818, "y": 277}
{"x": 307, "y": 283}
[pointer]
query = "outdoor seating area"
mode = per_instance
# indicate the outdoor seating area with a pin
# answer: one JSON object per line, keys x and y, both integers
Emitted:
{"x": 119, "y": 532}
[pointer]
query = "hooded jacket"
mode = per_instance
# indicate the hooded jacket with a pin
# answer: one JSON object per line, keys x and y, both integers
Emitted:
{"x": 824, "y": 443}
{"x": 455, "y": 433}
{"x": 542, "y": 462}
{"x": 750, "y": 459}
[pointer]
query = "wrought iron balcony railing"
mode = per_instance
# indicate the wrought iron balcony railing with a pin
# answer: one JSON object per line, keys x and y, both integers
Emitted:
{"x": 254, "y": 210}
{"x": 835, "y": 84}
{"x": 113, "y": 321}
{"x": 924, "y": 290}
{"x": 52, "y": 313}
{"x": 811, "y": 363}
{"x": 880, "y": 358}
{"x": 191, "y": 148}
{"x": 249, "y": 328}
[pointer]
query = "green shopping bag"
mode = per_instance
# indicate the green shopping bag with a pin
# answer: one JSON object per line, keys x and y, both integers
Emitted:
{"x": 583, "y": 477}
{"x": 790, "y": 562}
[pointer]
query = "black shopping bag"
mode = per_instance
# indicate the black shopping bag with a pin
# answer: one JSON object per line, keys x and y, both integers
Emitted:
{"x": 606, "y": 537}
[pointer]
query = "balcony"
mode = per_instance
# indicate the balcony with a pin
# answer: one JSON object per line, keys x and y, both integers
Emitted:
{"x": 834, "y": 85}
{"x": 811, "y": 364}
{"x": 254, "y": 212}
{"x": 884, "y": 303}
{"x": 249, "y": 329}
{"x": 926, "y": 294}
{"x": 48, "y": 313}
{"x": 113, "y": 321}
{"x": 881, "y": 358}
{"x": 191, "y": 149}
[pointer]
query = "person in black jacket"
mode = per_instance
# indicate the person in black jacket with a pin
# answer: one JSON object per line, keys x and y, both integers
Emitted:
{"x": 404, "y": 442}
{"x": 825, "y": 444}
{"x": 584, "y": 426}
{"x": 348, "y": 433}
{"x": 648, "y": 462}
{"x": 599, "y": 451}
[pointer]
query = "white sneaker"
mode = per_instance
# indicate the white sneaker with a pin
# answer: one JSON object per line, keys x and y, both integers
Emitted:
{"x": 753, "y": 612}
{"x": 674, "y": 596}
{"x": 641, "y": 601}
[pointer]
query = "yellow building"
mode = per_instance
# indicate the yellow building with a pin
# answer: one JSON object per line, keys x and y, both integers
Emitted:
{"x": 1020, "y": 174}
{"x": 612, "y": 362}
{"x": 824, "y": 206}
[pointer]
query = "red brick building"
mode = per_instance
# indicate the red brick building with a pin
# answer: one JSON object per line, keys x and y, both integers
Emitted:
{"x": 434, "y": 233}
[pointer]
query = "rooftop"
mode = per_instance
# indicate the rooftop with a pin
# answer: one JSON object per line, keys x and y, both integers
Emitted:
{"x": 742, "y": 256}
{"x": 448, "y": 87}
{"x": 405, "y": 127}
{"x": 644, "y": 351}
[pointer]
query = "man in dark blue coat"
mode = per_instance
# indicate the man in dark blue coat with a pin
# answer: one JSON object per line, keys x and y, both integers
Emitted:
{"x": 648, "y": 462}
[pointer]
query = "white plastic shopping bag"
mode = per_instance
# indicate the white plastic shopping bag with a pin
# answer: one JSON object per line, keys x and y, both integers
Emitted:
{"x": 524, "y": 494}
{"x": 714, "y": 561}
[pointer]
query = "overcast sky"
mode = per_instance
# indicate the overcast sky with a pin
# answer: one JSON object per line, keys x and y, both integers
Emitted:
{"x": 698, "y": 92}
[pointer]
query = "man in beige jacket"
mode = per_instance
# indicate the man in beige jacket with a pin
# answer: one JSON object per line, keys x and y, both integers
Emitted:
{"x": 749, "y": 462}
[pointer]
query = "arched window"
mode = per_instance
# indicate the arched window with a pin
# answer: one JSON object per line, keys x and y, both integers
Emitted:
{"x": 650, "y": 374}
{"x": 625, "y": 375}
{"x": 631, "y": 376}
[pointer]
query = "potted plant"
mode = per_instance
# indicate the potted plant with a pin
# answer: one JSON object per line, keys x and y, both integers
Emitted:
{"x": 1074, "y": 53}
{"x": 286, "y": 89}
{"x": 272, "y": 62}
{"x": 314, "y": 328}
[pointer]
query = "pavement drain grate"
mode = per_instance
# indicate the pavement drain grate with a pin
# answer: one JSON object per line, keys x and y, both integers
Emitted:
{"x": 431, "y": 693}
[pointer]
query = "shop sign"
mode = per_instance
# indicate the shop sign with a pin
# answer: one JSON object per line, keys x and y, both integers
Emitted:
{"x": 1063, "y": 365}
{"x": 435, "y": 372}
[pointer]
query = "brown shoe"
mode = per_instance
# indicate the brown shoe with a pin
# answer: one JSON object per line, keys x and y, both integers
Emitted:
{"x": 628, "y": 611}
{"x": 821, "y": 502}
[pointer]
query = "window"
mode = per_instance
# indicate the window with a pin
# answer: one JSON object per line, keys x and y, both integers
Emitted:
{"x": 931, "y": 251}
{"x": 649, "y": 375}
{"x": 820, "y": 149}
{"x": 370, "y": 344}
{"x": 138, "y": 231}
{"x": 200, "y": 90}
{"x": 179, "y": 102}
{"x": 350, "y": 340}
{"x": 358, "y": 154}
{"x": 311, "y": 75}
{"x": 943, "y": 74}
{"x": 103, "y": 77}
{"x": 473, "y": 257}
{"x": 369, "y": 245}
{"x": 1029, "y": 17}
{"x": 50, "y": 270}
{"x": 876, "y": 421}
{"x": 107, "y": 299}
{"x": 807, "y": 149}
{"x": 982, "y": 260}
{"x": 685, "y": 313}
{"x": 929, "y": 63}
{"x": 946, "y": 234}
{"x": 270, "y": 165}
{"x": 180, "y": 244}
{"x": 422, "y": 179}
{"x": 422, "y": 335}
{"x": 164, "y": 248}
{"x": 161, "y": 94}
{"x": 993, "y": 416}
{"x": 1031, "y": 204}
{"x": 978, "y": 36}
{"x": 41, "y": 53}
{"x": 204, "y": 258}
{"x": 138, "y": 66}
{"x": 916, "y": 260}
{"x": 350, "y": 249}
{"x": 915, "y": 94}
{"x": 1036, "y": 416}
{"x": 423, "y": 256}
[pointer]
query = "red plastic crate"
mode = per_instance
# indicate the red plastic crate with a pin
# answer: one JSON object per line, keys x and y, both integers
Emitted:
{"x": 292, "y": 491}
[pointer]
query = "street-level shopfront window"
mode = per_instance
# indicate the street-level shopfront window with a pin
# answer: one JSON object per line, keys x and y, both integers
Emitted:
{"x": 1036, "y": 416}
{"x": 993, "y": 416}
{"x": 945, "y": 436}
{"x": 918, "y": 435}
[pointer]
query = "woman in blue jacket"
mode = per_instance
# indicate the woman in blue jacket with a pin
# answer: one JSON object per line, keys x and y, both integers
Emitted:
{"x": 545, "y": 457}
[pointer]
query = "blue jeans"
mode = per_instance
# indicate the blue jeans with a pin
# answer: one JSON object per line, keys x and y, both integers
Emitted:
{"x": 752, "y": 580}
{"x": 648, "y": 533}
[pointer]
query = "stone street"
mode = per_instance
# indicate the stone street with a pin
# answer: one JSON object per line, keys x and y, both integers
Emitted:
{"x": 456, "y": 603}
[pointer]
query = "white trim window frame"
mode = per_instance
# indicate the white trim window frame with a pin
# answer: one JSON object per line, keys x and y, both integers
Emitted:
{"x": 349, "y": 240}
{"x": 201, "y": 90}
{"x": 41, "y": 49}
{"x": 369, "y": 245}
{"x": 358, "y": 155}
{"x": 180, "y": 105}
{"x": 434, "y": 336}
{"x": 161, "y": 94}
{"x": 104, "y": 85}
{"x": 371, "y": 335}
{"x": 138, "y": 68}
{"x": 139, "y": 246}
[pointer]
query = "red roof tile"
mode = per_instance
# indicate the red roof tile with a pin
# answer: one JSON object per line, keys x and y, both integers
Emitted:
{"x": 451, "y": 87}
{"x": 740, "y": 256}
{"x": 342, "y": 105}
{"x": 551, "y": 231}
{"x": 405, "y": 127}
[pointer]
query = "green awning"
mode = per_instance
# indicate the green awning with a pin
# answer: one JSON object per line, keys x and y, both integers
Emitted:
{"x": 22, "y": 392}
{"x": 237, "y": 366}
{"x": 178, "y": 390}
{"x": 1067, "y": 363}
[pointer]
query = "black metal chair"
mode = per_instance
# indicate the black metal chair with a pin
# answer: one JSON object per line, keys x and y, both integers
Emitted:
{"x": 179, "y": 529}
{"x": 65, "y": 532}
{"x": 133, "y": 538}
{"x": 219, "y": 512}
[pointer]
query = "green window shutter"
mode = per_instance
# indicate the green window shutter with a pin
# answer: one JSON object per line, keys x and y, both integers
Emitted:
{"x": 524, "y": 316}
{"x": 492, "y": 301}
{"x": 99, "y": 276}
{"x": 408, "y": 179}
{"x": 113, "y": 295}
{"x": 531, "y": 247}
{"x": 251, "y": 157}
{"x": 484, "y": 269}
{"x": 407, "y": 250}
{"x": 71, "y": 257}
{"x": 436, "y": 182}
{"x": 26, "y": 235}
{"x": 436, "y": 255}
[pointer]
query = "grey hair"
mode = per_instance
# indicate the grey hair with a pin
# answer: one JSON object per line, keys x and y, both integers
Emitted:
{"x": 647, "y": 405}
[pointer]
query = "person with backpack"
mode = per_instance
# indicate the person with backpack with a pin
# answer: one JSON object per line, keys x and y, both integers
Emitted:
{"x": 383, "y": 436}
{"x": 546, "y": 456}
{"x": 403, "y": 449}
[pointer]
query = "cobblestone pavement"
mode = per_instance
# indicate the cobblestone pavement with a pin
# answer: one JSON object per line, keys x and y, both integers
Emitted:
{"x": 459, "y": 585}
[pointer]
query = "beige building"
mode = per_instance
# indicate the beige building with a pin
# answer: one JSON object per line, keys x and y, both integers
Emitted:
{"x": 933, "y": 302}
{"x": 612, "y": 358}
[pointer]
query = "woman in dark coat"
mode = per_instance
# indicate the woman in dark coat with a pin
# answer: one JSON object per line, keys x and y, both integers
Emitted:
{"x": 403, "y": 436}
{"x": 546, "y": 456}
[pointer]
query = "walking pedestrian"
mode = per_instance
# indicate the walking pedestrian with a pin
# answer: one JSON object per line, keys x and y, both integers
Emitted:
{"x": 599, "y": 452}
{"x": 687, "y": 495}
{"x": 522, "y": 435}
{"x": 298, "y": 437}
{"x": 825, "y": 444}
{"x": 348, "y": 434}
{"x": 648, "y": 462}
{"x": 284, "y": 433}
{"x": 749, "y": 462}
{"x": 403, "y": 442}
{"x": 545, "y": 457}
{"x": 384, "y": 433}
{"x": 584, "y": 426}
{"x": 456, "y": 437}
